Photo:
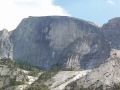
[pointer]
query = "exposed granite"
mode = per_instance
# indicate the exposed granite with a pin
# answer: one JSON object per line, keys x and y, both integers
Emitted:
{"x": 111, "y": 31}
{"x": 107, "y": 75}
{"x": 6, "y": 47}
{"x": 45, "y": 41}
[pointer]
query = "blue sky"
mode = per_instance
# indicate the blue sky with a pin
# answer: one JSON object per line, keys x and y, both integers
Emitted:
{"x": 98, "y": 11}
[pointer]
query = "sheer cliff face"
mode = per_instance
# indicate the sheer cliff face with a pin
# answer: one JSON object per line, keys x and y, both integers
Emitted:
{"x": 72, "y": 43}
{"x": 112, "y": 32}
{"x": 5, "y": 45}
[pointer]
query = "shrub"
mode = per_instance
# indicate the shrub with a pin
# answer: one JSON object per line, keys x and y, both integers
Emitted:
{"x": 25, "y": 65}
{"x": 38, "y": 87}
{"x": 7, "y": 61}
{"x": 13, "y": 82}
{"x": 46, "y": 75}
{"x": 33, "y": 73}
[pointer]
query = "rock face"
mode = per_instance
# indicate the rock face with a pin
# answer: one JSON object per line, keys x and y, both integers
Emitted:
{"x": 6, "y": 46}
{"x": 104, "y": 77}
{"x": 111, "y": 31}
{"x": 46, "y": 41}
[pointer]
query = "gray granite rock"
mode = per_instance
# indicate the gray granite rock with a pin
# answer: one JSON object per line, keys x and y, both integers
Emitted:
{"x": 70, "y": 42}
{"x": 6, "y": 46}
{"x": 111, "y": 31}
{"x": 107, "y": 75}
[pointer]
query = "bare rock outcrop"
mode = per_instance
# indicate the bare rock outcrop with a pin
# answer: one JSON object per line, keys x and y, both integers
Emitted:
{"x": 70, "y": 42}
{"x": 111, "y": 31}
{"x": 6, "y": 47}
{"x": 101, "y": 78}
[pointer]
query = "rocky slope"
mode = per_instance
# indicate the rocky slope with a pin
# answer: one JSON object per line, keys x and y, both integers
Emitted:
{"x": 68, "y": 42}
{"x": 14, "y": 78}
{"x": 63, "y": 78}
{"x": 102, "y": 78}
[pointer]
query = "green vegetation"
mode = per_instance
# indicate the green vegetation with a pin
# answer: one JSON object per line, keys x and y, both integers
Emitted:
{"x": 13, "y": 82}
{"x": 25, "y": 65}
{"x": 38, "y": 86}
{"x": 114, "y": 87}
{"x": 55, "y": 67}
{"x": 7, "y": 61}
{"x": 46, "y": 75}
{"x": 34, "y": 73}
{"x": 19, "y": 64}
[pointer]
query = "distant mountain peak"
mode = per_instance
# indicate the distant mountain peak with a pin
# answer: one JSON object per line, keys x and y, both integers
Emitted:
{"x": 113, "y": 23}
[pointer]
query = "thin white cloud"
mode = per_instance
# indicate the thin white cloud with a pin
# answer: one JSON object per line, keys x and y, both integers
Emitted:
{"x": 111, "y": 2}
{"x": 12, "y": 11}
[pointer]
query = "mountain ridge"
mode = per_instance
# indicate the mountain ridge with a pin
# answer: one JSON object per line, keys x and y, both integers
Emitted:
{"x": 31, "y": 27}
{"x": 45, "y": 38}
{"x": 66, "y": 45}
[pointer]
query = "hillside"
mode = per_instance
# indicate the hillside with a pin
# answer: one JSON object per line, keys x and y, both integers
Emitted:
{"x": 60, "y": 53}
